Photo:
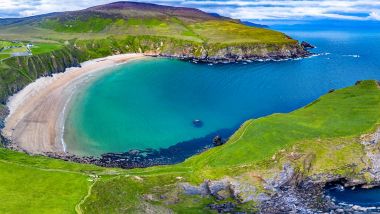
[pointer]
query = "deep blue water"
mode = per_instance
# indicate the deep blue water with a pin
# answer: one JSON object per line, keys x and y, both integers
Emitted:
{"x": 356, "y": 196}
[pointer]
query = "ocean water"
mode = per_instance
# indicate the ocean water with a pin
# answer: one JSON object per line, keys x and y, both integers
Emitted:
{"x": 356, "y": 196}
{"x": 152, "y": 103}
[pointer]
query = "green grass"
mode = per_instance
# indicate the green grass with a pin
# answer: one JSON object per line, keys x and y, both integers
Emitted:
{"x": 14, "y": 50}
{"x": 5, "y": 44}
{"x": 325, "y": 132}
{"x": 202, "y": 31}
{"x": 228, "y": 32}
{"x": 92, "y": 24}
{"x": 25, "y": 189}
{"x": 43, "y": 185}
{"x": 146, "y": 22}
{"x": 4, "y": 56}
{"x": 40, "y": 48}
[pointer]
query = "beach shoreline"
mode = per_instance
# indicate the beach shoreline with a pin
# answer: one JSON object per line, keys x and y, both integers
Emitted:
{"x": 35, "y": 123}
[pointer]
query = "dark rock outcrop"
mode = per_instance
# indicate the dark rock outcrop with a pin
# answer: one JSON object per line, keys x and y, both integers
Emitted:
{"x": 307, "y": 45}
{"x": 227, "y": 207}
{"x": 197, "y": 123}
{"x": 218, "y": 141}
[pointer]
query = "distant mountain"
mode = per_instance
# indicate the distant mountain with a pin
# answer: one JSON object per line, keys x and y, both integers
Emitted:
{"x": 251, "y": 24}
{"x": 120, "y": 10}
{"x": 120, "y": 19}
{"x": 192, "y": 32}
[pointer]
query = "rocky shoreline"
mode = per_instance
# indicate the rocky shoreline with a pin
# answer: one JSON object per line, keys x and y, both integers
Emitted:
{"x": 306, "y": 197}
{"x": 150, "y": 157}
{"x": 290, "y": 191}
{"x": 239, "y": 54}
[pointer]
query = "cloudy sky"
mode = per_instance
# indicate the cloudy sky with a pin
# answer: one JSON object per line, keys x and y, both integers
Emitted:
{"x": 242, "y": 9}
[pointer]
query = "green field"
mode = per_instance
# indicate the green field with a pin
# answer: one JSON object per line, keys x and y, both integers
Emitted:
{"x": 5, "y": 44}
{"x": 14, "y": 50}
{"x": 5, "y": 52}
{"x": 4, "y": 56}
{"x": 40, "y": 48}
{"x": 326, "y": 130}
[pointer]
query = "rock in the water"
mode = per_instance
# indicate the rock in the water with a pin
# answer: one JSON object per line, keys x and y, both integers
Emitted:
{"x": 307, "y": 45}
{"x": 197, "y": 123}
{"x": 217, "y": 141}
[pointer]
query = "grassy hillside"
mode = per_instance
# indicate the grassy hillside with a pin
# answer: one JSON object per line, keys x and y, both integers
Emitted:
{"x": 322, "y": 137}
{"x": 138, "y": 19}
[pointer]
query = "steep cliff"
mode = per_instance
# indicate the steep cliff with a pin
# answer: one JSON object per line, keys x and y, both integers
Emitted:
{"x": 177, "y": 48}
{"x": 17, "y": 72}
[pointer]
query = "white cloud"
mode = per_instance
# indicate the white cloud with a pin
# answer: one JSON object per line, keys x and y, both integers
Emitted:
{"x": 375, "y": 15}
{"x": 242, "y": 9}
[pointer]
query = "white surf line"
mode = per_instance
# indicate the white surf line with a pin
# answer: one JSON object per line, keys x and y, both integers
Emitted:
{"x": 352, "y": 55}
{"x": 62, "y": 121}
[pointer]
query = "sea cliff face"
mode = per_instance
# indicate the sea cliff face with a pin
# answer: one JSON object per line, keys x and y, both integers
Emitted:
{"x": 234, "y": 53}
{"x": 212, "y": 53}
{"x": 17, "y": 72}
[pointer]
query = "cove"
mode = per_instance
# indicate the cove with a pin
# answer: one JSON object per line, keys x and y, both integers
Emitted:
{"x": 355, "y": 196}
{"x": 152, "y": 103}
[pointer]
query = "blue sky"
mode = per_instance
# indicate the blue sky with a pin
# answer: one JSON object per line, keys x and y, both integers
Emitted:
{"x": 242, "y": 9}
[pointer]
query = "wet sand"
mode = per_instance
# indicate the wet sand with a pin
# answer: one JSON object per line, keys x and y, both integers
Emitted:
{"x": 36, "y": 119}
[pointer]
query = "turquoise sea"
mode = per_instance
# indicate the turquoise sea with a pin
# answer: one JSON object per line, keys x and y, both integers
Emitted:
{"x": 152, "y": 103}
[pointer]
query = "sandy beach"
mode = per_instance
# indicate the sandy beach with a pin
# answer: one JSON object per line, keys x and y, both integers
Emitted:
{"x": 36, "y": 119}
